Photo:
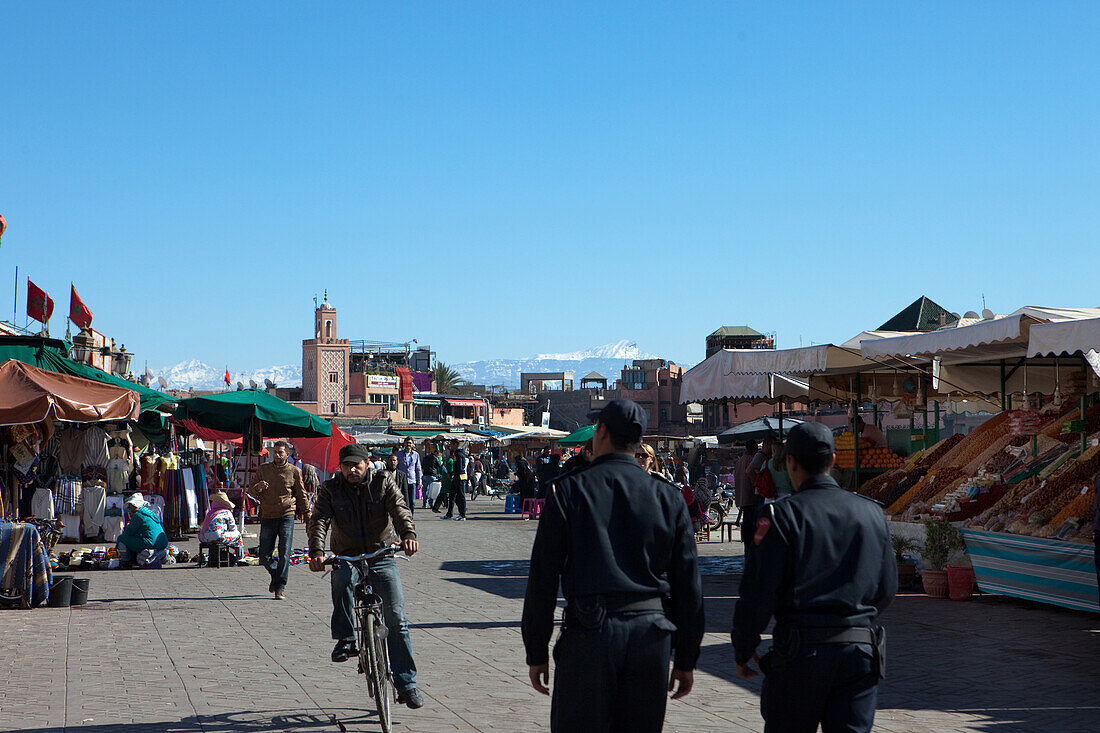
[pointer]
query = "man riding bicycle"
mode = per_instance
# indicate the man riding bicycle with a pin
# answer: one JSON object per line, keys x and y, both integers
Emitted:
{"x": 366, "y": 510}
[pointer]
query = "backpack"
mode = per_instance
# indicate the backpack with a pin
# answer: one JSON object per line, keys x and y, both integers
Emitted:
{"x": 765, "y": 486}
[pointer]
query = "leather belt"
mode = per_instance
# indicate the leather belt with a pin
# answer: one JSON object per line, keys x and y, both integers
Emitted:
{"x": 836, "y": 635}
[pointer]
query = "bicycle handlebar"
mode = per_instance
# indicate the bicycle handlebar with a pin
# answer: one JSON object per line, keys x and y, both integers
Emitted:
{"x": 382, "y": 551}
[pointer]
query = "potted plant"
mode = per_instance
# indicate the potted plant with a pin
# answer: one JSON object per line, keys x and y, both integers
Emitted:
{"x": 960, "y": 575}
{"x": 941, "y": 539}
{"x": 907, "y": 569}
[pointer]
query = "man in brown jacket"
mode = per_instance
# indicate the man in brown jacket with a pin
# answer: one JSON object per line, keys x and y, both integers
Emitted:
{"x": 278, "y": 485}
{"x": 366, "y": 510}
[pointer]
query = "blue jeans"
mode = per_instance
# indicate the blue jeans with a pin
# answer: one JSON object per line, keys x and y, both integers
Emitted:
{"x": 270, "y": 530}
{"x": 126, "y": 556}
{"x": 386, "y": 581}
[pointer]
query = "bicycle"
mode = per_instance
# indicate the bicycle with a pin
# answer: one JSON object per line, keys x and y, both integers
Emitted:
{"x": 371, "y": 633}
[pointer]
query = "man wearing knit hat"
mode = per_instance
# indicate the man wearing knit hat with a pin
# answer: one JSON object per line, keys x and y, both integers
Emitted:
{"x": 823, "y": 566}
{"x": 366, "y": 510}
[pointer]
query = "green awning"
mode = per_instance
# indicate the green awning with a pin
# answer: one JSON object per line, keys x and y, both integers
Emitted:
{"x": 425, "y": 433}
{"x": 424, "y": 401}
{"x": 579, "y": 437}
{"x": 47, "y": 354}
{"x": 234, "y": 412}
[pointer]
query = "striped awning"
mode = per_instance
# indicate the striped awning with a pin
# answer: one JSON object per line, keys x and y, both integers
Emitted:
{"x": 1048, "y": 571}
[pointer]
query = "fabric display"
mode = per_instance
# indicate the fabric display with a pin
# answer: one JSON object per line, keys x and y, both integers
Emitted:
{"x": 70, "y": 454}
{"x": 27, "y": 567}
{"x": 67, "y": 495}
{"x": 95, "y": 504}
{"x": 42, "y": 504}
{"x": 118, "y": 475}
{"x": 70, "y": 526}
{"x": 95, "y": 447}
{"x": 49, "y": 469}
{"x": 112, "y": 528}
{"x": 185, "y": 497}
{"x": 148, "y": 471}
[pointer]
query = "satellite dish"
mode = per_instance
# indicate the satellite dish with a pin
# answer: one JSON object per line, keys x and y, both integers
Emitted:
{"x": 269, "y": 384}
{"x": 252, "y": 383}
{"x": 240, "y": 386}
{"x": 987, "y": 314}
{"x": 956, "y": 316}
{"x": 970, "y": 314}
{"x": 162, "y": 382}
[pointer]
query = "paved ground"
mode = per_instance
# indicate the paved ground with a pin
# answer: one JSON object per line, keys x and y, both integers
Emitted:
{"x": 183, "y": 649}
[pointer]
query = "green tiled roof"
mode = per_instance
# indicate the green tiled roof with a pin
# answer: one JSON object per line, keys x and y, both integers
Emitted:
{"x": 922, "y": 315}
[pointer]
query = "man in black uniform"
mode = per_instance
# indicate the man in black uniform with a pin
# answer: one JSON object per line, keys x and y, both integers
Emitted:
{"x": 823, "y": 566}
{"x": 620, "y": 543}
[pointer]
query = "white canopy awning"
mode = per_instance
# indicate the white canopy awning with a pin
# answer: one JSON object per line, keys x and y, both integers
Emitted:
{"x": 713, "y": 384}
{"x": 1000, "y": 337}
{"x": 1066, "y": 338}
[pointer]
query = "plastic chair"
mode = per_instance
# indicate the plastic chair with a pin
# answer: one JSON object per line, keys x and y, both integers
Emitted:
{"x": 529, "y": 508}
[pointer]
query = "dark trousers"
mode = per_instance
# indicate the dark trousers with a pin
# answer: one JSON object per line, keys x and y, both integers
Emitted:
{"x": 271, "y": 530}
{"x": 457, "y": 496}
{"x": 614, "y": 678}
{"x": 441, "y": 499}
{"x": 386, "y": 582}
{"x": 834, "y": 685}
{"x": 748, "y": 525}
{"x": 410, "y": 497}
{"x": 1096, "y": 556}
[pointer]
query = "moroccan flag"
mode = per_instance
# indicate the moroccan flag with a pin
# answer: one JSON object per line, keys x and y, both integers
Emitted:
{"x": 227, "y": 376}
{"x": 78, "y": 312}
{"x": 39, "y": 305}
{"x": 3, "y": 224}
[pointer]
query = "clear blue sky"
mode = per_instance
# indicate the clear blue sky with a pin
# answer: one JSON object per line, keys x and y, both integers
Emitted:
{"x": 501, "y": 179}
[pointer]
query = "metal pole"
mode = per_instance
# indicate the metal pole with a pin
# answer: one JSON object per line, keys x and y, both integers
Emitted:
{"x": 1004, "y": 403}
{"x": 855, "y": 432}
{"x": 1084, "y": 396}
{"x": 781, "y": 418}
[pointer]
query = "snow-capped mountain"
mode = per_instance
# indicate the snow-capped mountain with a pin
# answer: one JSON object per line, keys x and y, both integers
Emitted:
{"x": 198, "y": 375}
{"x": 608, "y": 360}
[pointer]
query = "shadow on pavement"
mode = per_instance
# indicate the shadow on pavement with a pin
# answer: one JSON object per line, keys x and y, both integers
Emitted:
{"x": 468, "y": 625}
{"x": 243, "y": 722}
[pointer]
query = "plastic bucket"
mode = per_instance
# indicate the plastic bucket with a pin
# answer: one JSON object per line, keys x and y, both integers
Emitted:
{"x": 80, "y": 591}
{"x": 61, "y": 591}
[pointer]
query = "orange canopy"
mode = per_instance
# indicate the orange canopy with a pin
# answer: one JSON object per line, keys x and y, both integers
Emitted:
{"x": 30, "y": 395}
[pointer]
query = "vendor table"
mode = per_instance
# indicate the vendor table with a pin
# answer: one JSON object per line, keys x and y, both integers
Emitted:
{"x": 1048, "y": 571}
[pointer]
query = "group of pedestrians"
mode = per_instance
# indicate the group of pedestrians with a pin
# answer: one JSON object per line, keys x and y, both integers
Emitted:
{"x": 618, "y": 541}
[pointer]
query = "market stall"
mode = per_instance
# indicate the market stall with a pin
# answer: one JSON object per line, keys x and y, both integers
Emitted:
{"x": 1026, "y": 472}
{"x": 65, "y": 457}
{"x": 251, "y": 414}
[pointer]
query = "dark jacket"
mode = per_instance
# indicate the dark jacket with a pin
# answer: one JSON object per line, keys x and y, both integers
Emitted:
{"x": 525, "y": 479}
{"x": 612, "y": 528}
{"x": 362, "y": 516}
{"x": 823, "y": 558}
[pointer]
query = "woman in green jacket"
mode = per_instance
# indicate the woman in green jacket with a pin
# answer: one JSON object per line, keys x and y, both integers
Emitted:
{"x": 143, "y": 542}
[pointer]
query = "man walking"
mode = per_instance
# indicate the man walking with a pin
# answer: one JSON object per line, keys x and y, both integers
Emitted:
{"x": 824, "y": 568}
{"x": 282, "y": 494}
{"x": 743, "y": 492}
{"x": 365, "y": 511}
{"x": 403, "y": 485}
{"x": 619, "y": 542}
{"x": 408, "y": 463}
{"x": 459, "y": 477}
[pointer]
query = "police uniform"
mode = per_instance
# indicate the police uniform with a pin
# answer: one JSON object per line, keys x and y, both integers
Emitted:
{"x": 823, "y": 566}
{"x": 620, "y": 543}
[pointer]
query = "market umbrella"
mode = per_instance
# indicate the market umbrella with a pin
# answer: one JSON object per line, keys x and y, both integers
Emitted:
{"x": 756, "y": 429}
{"x": 252, "y": 411}
{"x": 579, "y": 436}
{"x": 29, "y": 395}
{"x": 323, "y": 453}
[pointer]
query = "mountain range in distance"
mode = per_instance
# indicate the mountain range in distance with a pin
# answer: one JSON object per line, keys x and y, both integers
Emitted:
{"x": 608, "y": 360}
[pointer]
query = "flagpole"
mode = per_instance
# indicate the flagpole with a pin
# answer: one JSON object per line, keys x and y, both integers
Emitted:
{"x": 15, "y": 299}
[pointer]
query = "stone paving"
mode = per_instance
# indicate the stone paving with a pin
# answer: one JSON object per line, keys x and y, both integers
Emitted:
{"x": 188, "y": 649}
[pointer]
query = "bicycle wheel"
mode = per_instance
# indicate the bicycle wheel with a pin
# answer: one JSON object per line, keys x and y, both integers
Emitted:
{"x": 366, "y": 649}
{"x": 714, "y": 516}
{"x": 380, "y": 669}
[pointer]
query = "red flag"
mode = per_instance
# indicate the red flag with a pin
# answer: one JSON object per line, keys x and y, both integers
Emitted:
{"x": 39, "y": 304}
{"x": 78, "y": 312}
{"x": 3, "y": 224}
{"x": 227, "y": 376}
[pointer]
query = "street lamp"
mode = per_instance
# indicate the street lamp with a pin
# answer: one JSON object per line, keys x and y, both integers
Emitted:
{"x": 83, "y": 346}
{"x": 121, "y": 361}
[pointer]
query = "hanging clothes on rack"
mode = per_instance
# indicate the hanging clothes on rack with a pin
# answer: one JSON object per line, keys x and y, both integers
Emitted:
{"x": 95, "y": 447}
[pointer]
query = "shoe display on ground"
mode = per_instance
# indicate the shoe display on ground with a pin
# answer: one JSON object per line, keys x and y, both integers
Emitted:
{"x": 411, "y": 697}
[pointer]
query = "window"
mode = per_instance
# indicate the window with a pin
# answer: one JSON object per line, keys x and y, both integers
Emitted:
{"x": 382, "y": 399}
{"x": 328, "y": 329}
{"x": 332, "y": 407}
{"x": 333, "y": 377}
{"x": 664, "y": 415}
{"x": 406, "y": 411}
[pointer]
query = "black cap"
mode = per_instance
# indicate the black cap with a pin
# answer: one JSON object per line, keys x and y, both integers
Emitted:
{"x": 353, "y": 453}
{"x": 810, "y": 440}
{"x": 624, "y": 418}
